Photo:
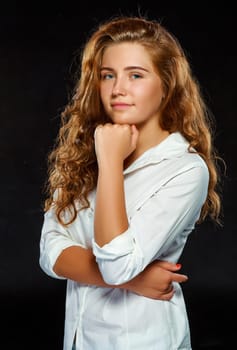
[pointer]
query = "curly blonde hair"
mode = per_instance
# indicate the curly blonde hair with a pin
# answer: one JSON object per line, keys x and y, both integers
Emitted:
{"x": 72, "y": 163}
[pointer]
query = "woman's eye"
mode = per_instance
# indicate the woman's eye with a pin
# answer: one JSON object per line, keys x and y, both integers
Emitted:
{"x": 136, "y": 76}
{"x": 107, "y": 76}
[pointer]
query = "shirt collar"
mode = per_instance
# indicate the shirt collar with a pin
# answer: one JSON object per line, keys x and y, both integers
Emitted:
{"x": 174, "y": 146}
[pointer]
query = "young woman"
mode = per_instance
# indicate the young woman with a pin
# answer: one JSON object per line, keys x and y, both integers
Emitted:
{"x": 132, "y": 172}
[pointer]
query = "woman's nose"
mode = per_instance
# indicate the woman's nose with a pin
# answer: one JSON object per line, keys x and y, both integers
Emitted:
{"x": 119, "y": 87}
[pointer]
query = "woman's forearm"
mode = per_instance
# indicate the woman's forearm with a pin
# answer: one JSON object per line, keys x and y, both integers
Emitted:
{"x": 78, "y": 264}
{"x": 110, "y": 212}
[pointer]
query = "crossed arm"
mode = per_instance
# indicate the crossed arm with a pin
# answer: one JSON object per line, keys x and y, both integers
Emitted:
{"x": 154, "y": 282}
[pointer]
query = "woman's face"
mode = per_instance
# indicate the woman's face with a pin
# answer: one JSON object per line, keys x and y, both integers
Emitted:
{"x": 130, "y": 88}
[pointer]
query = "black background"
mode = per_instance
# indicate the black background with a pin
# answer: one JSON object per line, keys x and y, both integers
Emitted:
{"x": 39, "y": 43}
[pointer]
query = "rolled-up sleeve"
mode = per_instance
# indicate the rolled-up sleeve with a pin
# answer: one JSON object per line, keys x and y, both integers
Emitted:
{"x": 122, "y": 256}
{"x": 164, "y": 219}
{"x": 54, "y": 239}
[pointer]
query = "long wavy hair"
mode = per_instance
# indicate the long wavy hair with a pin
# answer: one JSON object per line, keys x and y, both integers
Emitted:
{"x": 72, "y": 164}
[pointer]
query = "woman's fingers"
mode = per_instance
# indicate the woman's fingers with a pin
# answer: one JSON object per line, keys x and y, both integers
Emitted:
{"x": 115, "y": 141}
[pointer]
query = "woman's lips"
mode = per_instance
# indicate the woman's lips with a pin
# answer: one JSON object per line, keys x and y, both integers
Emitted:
{"x": 120, "y": 105}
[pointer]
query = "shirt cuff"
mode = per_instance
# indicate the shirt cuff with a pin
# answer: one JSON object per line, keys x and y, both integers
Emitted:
{"x": 118, "y": 247}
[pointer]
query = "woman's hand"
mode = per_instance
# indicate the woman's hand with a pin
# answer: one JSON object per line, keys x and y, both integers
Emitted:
{"x": 115, "y": 142}
{"x": 156, "y": 281}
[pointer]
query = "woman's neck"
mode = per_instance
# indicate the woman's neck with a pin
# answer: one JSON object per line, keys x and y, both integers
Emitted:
{"x": 148, "y": 138}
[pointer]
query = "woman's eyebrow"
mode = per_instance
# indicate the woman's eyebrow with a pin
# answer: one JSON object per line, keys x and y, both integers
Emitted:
{"x": 136, "y": 68}
{"x": 126, "y": 68}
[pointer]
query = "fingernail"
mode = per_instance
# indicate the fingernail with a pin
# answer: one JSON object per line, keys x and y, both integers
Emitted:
{"x": 178, "y": 266}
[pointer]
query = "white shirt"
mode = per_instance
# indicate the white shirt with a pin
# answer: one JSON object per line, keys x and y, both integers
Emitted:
{"x": 165, "y": 189}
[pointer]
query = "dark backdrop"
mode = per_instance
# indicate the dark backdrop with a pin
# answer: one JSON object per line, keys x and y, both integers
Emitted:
{"x": 37, "y": 61}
